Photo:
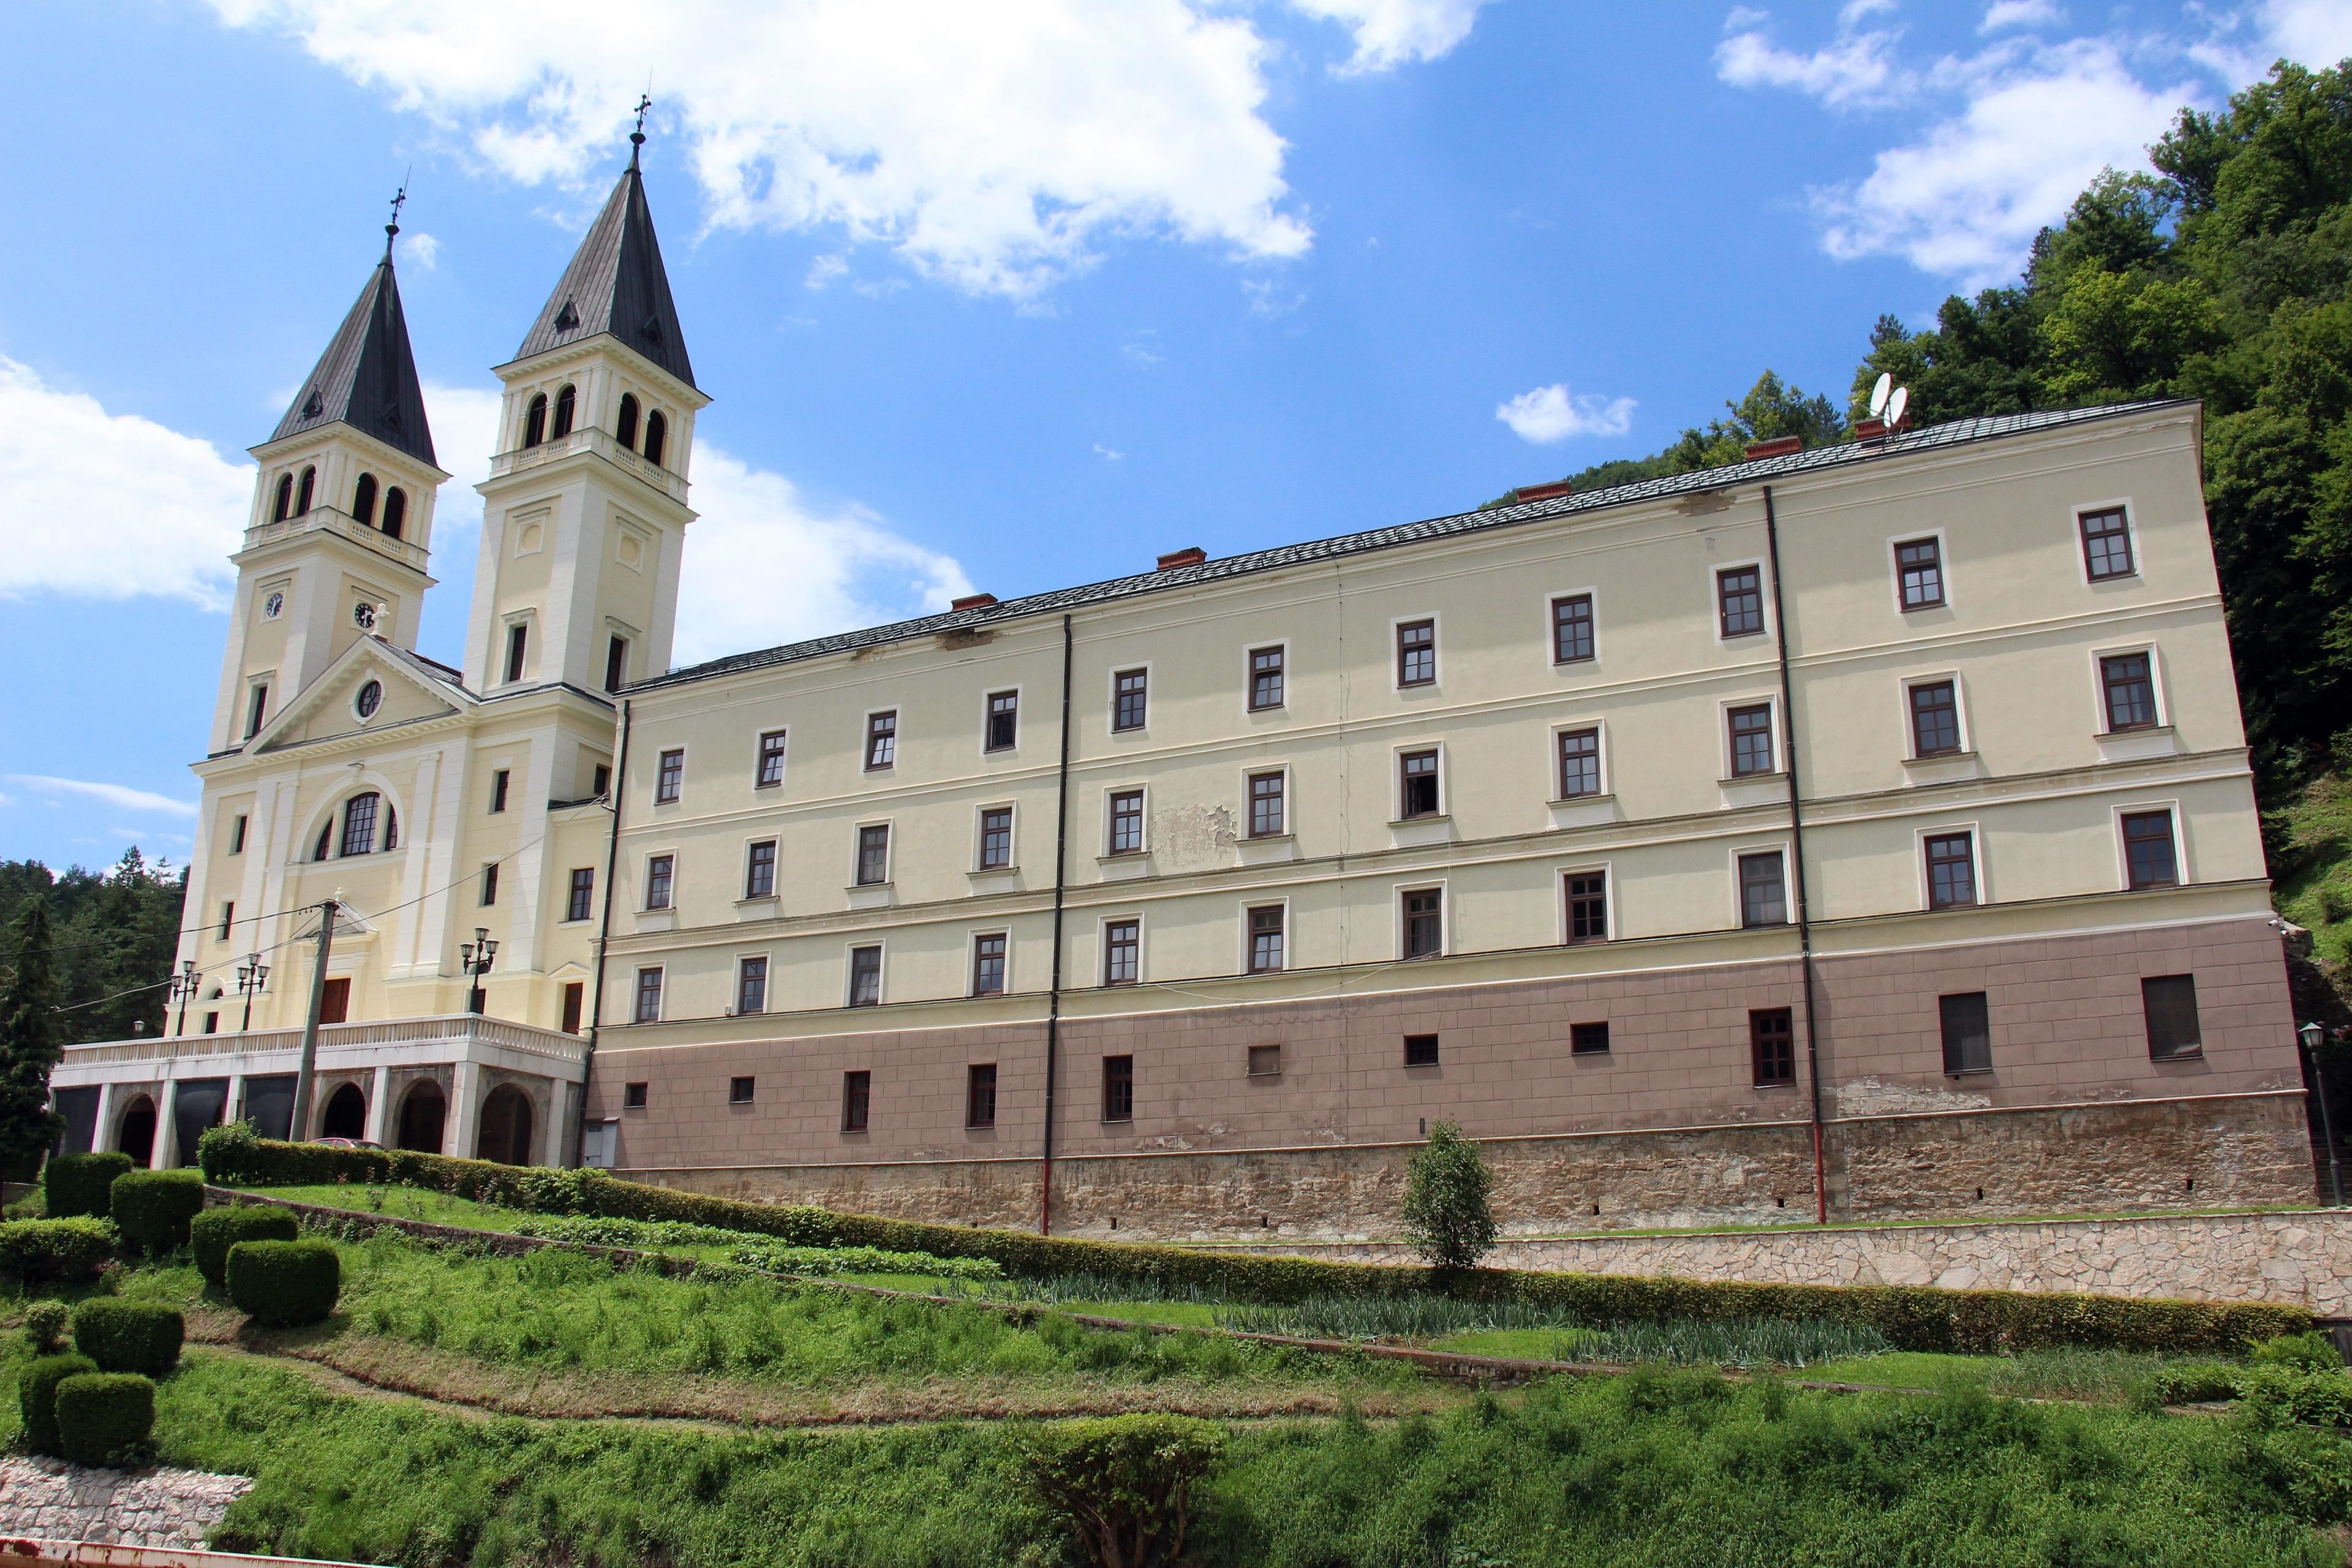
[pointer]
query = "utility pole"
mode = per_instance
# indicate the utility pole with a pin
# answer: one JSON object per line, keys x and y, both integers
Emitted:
{"x": 302, "y": 1126}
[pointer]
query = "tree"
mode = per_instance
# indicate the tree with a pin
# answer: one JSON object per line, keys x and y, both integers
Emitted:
{"x": 28, "y": 1042}
{"x": 115, "y": 936}
{"x": 1447, "y": 1214}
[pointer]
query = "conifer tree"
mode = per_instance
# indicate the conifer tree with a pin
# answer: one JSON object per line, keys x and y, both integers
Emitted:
{"x": 28, "y": 1042}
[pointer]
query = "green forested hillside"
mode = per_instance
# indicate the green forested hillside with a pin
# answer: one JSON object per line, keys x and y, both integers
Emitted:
{"x": 110, "y": 931}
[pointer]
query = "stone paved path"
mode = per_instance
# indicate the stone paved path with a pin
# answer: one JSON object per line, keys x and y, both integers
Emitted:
{"x": 49, "y": 1500}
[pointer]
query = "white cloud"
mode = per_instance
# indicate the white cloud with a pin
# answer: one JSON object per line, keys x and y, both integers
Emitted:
{"x": 421, "y": 249}
{"x": 110, "y": 506}
{"x": 1106, "y": 454}
{"x": 114, "y": 795}
{"x": 1852, "y": 69}
{"x": 997, "y": 147}
{"x": 1390, "y": 33}
{"x": 2315, "y": 32}
{"x": 2003, "y": 13}
{"x": 1551, "y": 414}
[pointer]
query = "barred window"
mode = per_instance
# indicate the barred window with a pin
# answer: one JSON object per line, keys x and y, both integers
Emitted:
{"x": 1589, "y": 1039}
{"x": 2169, "y": 1003}
{"x": 1421, "y": 1051}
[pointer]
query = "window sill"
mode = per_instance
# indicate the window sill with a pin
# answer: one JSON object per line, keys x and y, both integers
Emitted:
{"x": 1944, "y": 767}
{"x": 1967, "y": 1072}
{"x": 1583, "y": 811}
{"x": 1754, "y": 789}
{"x": 1411, "y": 831}
{"x": 992, "y": 871}
{"x": 2195, "y": 1054}
{"x": 870, "y": 895}
{"x": 2135, "y": 745}
{"x": 758, "y": 908}
{"x": 1124, "y": 867}
{"x": 657, "y": 919}
{"x": 1266, "y": 850}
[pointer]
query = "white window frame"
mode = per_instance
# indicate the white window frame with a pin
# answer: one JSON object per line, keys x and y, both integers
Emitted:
{"x": 1601, "y": 745}
{"x": 1248, "y": 904}
{"x": 1975, "y": 830}
{"x": 1142, "y": 850}
{"x": 1561, "y": 872}
{"x": 1769, "y": 636}
{"x": 1551, "y": 629}
{"x": 889, "y": 847}
{"x": 2159, "y": 688}
{"x": 1110, "y": 694}
{"x": 979, "y": 834}
{"x": 1959, "y": 710}
{"x": 1396, "y": 782}
{"x": 2075, "y": 516}
{"x": 881, "y": 973}
{"x": 1436, "y": 653}
{"x": 1943, "y": 567}
{"x": 1723, "y": 708}
{"x": 2118, "y": 811}
{"x": 1254, "y": 770}
{"x": 1445, "y": 933}
{"x": 1788, "y": 882}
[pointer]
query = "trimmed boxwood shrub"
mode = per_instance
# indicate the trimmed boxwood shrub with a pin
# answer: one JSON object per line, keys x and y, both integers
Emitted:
{"x": 79, "y": 1184}
{"x": 104, "y": 1418}
{"x": 284, "y": 1283}
{"x": 69, "y": 1250}
{"x": 129, "y": 1336}
{"x": 1122, "y": 1483}
{"x": 1917, "y": 1317}
{"x": 36, "y": 1397}
{"x": 152, "y": 1208}
{"x": 211, "y": 1233}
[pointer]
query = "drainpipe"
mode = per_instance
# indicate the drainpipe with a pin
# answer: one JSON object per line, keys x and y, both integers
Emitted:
{"x": 1797, "y": 853}
{"x": 614, "y": 794}
{"x": 1054, "y": 990}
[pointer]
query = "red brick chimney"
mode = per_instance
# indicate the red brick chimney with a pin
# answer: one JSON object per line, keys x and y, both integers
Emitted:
{"x": 1190, "y": 555}
{"x": 973, "y": 602}
{"x": 1779, "y": 447}
{"x": 1545, "y": 492}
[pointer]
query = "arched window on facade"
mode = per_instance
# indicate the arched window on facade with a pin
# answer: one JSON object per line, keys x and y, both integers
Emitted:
{"x": 302, "y": 491}
{"x": 625, "y": 428}
{"x": 284, "y": 508}
{"x": 391, "y": 827}
{"x": 656, "y": 436}
{"x": 395, "y": 511}
{"x": 346, "y": 1113}
{"x": 326, "y": 844}
{"x": 359, "y": 824}
{"x": 534, "y": 420}
{"x": 364, "y": 500}
{"x": 565, "y": 402}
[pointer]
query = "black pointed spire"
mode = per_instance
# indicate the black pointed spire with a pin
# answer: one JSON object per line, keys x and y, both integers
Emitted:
{"x": 367, "y": 377}
{"x": 617, "y": 284}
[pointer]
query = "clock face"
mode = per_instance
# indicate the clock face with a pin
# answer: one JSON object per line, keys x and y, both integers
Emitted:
{"x": 273, "y": 606}
{"x": 363, "y": 616}
{"x": 371, "y": 698}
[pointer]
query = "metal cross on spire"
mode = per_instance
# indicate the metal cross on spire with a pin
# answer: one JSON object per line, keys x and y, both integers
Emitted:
{"x": 637, "y": 137}
{"x": 392, "y": 229}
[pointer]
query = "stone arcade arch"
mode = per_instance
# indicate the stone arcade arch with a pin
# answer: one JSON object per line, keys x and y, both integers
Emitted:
{"x": 422, "y": 1116}
{"x": 506, "y": 1127}
{"x": 346, "y": 1114}
{"x": 135, "y": 1132}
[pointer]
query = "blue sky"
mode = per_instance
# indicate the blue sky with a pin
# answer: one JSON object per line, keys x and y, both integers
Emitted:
{"x": 1006, "y": 296}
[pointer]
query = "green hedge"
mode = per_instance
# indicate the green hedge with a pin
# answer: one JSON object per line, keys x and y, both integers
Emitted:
{"x": 104, "y": 1418}
{"x": 79, "y": 1184}
{"x": 282, "y": 1284}
{"x": 152, "y": 1208}
{"x": 144, "y": 1337}
{"x": 1912, "y": 1318}
{"x": 211, "y": 1233}
{"x": 64, "y": 1251}
{"x": 36, "y": 1397}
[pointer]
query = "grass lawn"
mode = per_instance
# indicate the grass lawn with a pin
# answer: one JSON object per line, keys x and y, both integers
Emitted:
{"x": 402, "y": 1203}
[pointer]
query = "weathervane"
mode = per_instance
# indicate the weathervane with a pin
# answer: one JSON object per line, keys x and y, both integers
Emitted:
{"x": 637, "y": 137}
{"x": 392, "y": 229}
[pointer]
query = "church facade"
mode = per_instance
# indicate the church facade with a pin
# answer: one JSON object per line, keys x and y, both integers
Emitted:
{"x": 1864, "y": 831}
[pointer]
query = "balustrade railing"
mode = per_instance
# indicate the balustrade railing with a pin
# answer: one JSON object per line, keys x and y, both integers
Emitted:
{"x": 334, "y": 520}
{"x": 455, "y": 1028}
{"x": 604, "y": 445}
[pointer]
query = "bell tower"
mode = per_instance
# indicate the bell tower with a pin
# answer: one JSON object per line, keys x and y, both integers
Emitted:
{"x": 340, "y": 533}
{"x": 585, "y": 511}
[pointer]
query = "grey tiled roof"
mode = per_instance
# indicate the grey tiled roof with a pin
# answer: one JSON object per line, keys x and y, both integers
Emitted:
{"x": 1959, "y": 433}
{"x": 617, "y": 284}
{"x": 367, "y": 377}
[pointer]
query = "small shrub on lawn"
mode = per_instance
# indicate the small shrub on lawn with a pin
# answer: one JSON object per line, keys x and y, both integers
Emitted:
{"x": 2313, "y": 1352}
{"x": 1448, "y": 1215}
{"x": 1124, "y": 1483}
{"x": 2274, "y": 1395}
{"x": 79, "y": 1183}
{"x": 285, "y": 1283}
{"x": 211, "y": 1233}
{"x": 152, "y": 1208}
{"x": 230, "y": 1155}
{"x": 105, "y": 1417}
{"x": 36, "y": 1397}
{"x": 45, "y": 1327}
{"x": 66, "y": 1250}
{"x": 123, "y": 1335}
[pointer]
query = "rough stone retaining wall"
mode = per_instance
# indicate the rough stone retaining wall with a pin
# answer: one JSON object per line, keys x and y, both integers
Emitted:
{"x": 2301, "y": 1259}
{"x": 49, "y": 1500}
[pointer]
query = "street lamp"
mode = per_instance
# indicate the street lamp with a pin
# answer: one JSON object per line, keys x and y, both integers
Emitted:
{"x": 183, "y": 985}
{"x": 2312, "y": 1036}
{"x": 250, "y": 975}
{"x": 473, "y": 957}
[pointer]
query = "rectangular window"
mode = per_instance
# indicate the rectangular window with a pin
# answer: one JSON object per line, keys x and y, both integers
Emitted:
{"x": 1772, "y": 1045}
{"x": 1951, "y": 870}
{"x": 1265, "y": 1061}
{"x": 583, "y": 891}
{"x": 227, "y": 920}
{"x": 1589, "y": 1039}
{"x": 1266, "y": 816}
{"x": 1417, "y": 785}
{"x": 873, "y": 855}
{"x": 634, "y": 1095}
{"x": 489, "y": 884}
{"x": 2130, "y": 691}
{"x": 881, "y": 741}
{"x": 2107, "y": 544}
{"x": 2148, "y": 851}
{"x": 750, "y": 986}
{"x": 1265, "y": 678}
{"x": 857, "y": 1099}
{"x": 2169, "y": 1002}
{"x": 1128, "y": 701}
{"x": 1122, "y": 952}
{"x": 1968, "y": 1032}
{"x": 1003, "y": 721}
{"x": 603, "y": 782}
{"x": 236, "y": 837}
{"x": 1934, "y": 720}
{"x": 660, "y": 871}
{"x": 1424, "y": 923}
{"x": 1580, "y": 764}
{"x": 1763, "y": 896}
{"x": 616, "y": 663}
{"x": 760, "y": 871}
{"x": 1588, "y": 906}
{"x": 575, "y": 993}
{"x": 1421, "y": 1051}
{"x": 649, "y": 987}
{"x": 996, "y": 839}
{"x": 1571, "y": 629}
{"x": 771, "y": 761}
{"x": 739, "y": 1090}
{"x": 518, "y": 643}
{"x": 498, "y": 791}
{"x": 255, "y": 710}
{"x": 866, "y": 977}
{"x": 212, "y": 1023}
{"x": 980, "y": 1095}
{"x": 1417, "y": 653}
{"x": 1739, "y": 601}
{"x": 1751, "y": 739}
{"x": 1919, "y": 562}
{"x": 1119, "y": 1088}
{"x": 1126, "y": 822}
{"x": 1266, "y": 939}
{"x": 670, "y": 777}
{"x": 988, "y": 964}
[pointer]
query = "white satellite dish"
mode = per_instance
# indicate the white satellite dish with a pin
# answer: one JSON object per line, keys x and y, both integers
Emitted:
{"x": 1878, "y": 393}
{"x": 1896, "y": 406}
